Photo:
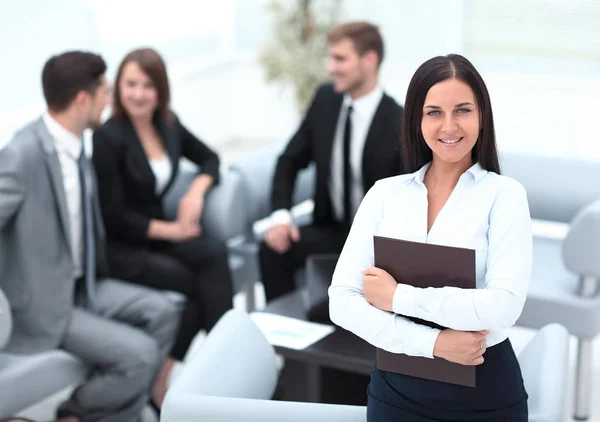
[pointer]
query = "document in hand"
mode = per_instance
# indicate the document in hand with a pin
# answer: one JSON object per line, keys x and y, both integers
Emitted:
{"x": 426, "y": 265}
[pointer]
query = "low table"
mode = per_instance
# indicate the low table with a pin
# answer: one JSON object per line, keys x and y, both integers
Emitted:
{"x": 340, "y": 351}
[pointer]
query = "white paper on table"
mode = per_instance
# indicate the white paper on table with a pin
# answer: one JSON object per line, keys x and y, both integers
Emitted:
{"x": 290, "y": 332}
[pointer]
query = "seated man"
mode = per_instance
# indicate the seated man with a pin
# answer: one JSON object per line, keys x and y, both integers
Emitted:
{"x": 51, "y": 251}
{"x": 351, "y": 132}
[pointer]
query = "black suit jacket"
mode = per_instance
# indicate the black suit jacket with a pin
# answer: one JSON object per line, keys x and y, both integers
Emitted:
{"x": 313, "y": 142}
{"x": 126, "y": 184}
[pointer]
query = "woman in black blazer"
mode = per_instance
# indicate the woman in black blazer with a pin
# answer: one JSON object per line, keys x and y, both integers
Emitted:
{"x": 136, "y": 156}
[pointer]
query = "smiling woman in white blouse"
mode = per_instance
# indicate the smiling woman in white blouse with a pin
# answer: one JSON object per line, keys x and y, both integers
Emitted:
{"x": 453, "y": 195}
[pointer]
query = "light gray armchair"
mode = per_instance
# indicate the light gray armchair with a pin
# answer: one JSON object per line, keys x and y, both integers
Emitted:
{"x": 27, "y": 379}
{"x": 222, "y": 384}
{"x": 224, "y": 216}
{"x": 564, "y": 282}
{"x": 256, "y": 169}
{"x": 232, "y": 378}
{"x": 5, "y": 320}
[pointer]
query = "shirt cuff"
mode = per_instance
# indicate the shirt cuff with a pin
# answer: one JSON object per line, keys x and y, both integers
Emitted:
{"x": 281, "y": 216}
{"x": 422, "y": 341}
{"x": 404, "y": 301}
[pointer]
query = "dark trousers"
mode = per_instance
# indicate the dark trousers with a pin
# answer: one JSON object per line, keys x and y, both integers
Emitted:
{"x": 199, "y": 269}
{"x": 278, "y": 270}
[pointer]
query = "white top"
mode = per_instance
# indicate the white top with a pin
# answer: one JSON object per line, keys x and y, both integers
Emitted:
{"x": 68, "y": 148}
{"x": 162, "y": 169}
{"x": 485, "y": 212}
{"x": 363, "y": 110}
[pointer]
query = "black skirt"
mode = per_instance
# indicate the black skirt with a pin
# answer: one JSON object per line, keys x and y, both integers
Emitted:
{"x": 499, "y": 396}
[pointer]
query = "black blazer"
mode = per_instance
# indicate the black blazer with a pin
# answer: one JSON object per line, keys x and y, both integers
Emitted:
{"x": 313, "y": 142}
{"x": 126, "y": 184}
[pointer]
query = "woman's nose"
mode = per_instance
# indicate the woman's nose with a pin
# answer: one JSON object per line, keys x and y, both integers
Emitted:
{"x": 450, "y": 124}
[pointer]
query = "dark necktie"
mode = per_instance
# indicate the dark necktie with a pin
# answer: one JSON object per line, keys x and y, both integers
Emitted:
{"x": 89, "y": 260}
{"x": 347, "y": 168}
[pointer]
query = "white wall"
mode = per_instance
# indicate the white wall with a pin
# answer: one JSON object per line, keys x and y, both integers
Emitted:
{"x": 540, "y": 59}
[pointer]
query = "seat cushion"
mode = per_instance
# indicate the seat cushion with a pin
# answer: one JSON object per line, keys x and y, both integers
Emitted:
{"x": 549, "y": 276}
{"x": 27, "y": 379}
{"x": 553, "y": 294}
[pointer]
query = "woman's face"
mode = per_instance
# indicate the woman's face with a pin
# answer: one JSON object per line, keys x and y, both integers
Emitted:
{"x": 451, "y": 121}
{"x": 139, "y": 96}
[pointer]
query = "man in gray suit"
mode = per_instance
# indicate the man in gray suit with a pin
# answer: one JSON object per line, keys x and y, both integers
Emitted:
{"x": 51, "y": 254}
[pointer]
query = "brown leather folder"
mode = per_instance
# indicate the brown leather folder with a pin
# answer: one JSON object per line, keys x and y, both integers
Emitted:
{"x": 426, "y": 265}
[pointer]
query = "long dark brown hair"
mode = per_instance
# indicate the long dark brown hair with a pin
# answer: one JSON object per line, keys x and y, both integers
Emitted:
{"x": 415, "y": 151}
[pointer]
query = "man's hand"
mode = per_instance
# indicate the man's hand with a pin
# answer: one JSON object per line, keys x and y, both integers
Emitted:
{"x": 462, "y": 347}
{"x": 280, "y": 237}
{"x": 379, "y": 288}
{"x": 190, "y": 209}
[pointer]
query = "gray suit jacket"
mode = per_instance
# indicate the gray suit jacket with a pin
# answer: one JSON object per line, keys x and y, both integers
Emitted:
{"x": 36, "y": 267}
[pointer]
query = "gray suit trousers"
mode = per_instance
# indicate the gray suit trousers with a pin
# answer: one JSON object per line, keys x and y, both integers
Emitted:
{"x": 124, "y": 336}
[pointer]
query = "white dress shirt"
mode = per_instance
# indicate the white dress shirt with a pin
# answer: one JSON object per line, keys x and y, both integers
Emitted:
{"x": 68, "y": 148}
{"x": 162, "y": 169}
{"x": 363, "y": 110}
{"x": 485, "y": 212}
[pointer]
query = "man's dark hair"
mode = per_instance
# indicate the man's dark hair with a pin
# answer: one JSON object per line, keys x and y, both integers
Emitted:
{"x": 67, "y": 74}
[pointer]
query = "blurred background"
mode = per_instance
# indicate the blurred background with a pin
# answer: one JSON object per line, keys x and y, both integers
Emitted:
{"x": 540, "y": 59}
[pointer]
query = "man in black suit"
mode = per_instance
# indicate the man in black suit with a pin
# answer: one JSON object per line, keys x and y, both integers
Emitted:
{"x": 351, "y": 131}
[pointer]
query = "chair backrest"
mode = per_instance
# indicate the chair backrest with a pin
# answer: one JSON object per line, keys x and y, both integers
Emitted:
{"x": 544, "y": 363}
{"x": 236, "y": 360}
{"x": 319, "y": 272}
{"x": 257, "y": 169}
{"x": 232, "y": 378}
{"x": 224, "y": 215}
{"x": 5, "y": 320}
{"x": 557, "y": 187}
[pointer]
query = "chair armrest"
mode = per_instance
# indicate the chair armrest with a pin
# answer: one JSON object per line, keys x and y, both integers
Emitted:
{"x": 5, "y": 320}
{"x": 236, "y": 360}
{"x": 319, "y": 272}
{"x": 581, "y": 247}
{"x": 179, "y": 187}
{"x": 192, "y": 408}
{"x": 243, "y": 246}
{"x": 224, "y": 214}
{"x": 544, "y": 364}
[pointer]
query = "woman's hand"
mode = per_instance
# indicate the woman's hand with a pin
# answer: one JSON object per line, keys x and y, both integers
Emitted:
{"x": 180, "y": 232}
{"x": 173, "y": 231}
{"x": 379, "y": 288}
{"x": 462, "y": 347}
{"x": 190, "y": 209}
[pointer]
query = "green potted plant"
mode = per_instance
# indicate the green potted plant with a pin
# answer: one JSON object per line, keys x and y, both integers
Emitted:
{"x": 296, "y": 54}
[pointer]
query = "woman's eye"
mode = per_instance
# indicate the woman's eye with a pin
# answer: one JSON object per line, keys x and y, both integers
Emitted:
{"x": 433, "y": 113}
{"x": 463, "y": 110}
